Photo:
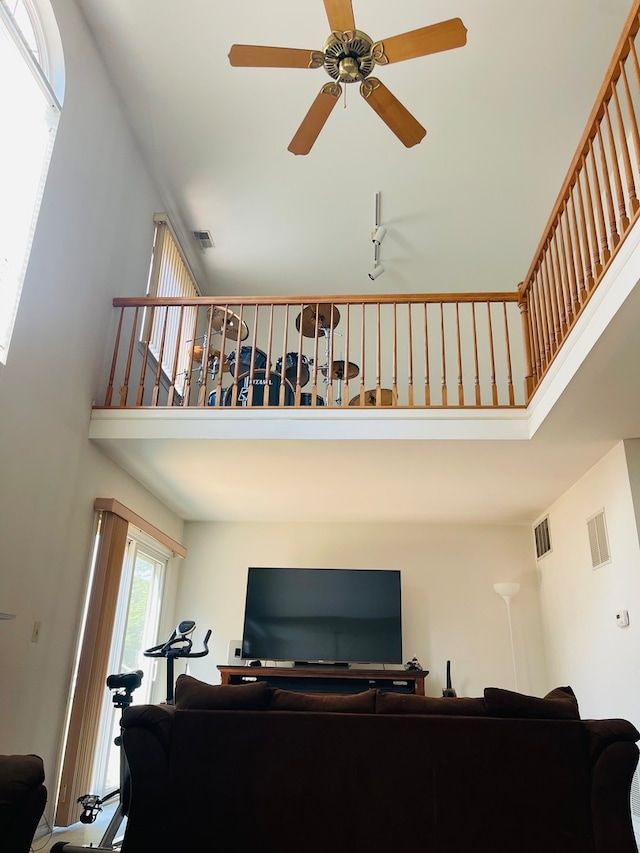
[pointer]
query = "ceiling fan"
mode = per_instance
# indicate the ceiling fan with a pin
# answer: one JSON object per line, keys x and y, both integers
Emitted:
{"x": 349, "y": 56}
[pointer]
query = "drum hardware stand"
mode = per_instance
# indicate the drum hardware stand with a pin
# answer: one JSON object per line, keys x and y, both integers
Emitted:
{"x": 326, "y": 331}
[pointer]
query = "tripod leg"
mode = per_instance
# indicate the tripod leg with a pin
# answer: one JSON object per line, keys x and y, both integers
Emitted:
{"x": 106, "y": 841}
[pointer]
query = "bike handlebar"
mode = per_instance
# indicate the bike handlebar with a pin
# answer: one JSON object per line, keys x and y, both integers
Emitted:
{"x": 170, "y": 648}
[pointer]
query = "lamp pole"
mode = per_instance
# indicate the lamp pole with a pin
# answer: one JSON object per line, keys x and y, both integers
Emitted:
{"x": 506, "y": 591}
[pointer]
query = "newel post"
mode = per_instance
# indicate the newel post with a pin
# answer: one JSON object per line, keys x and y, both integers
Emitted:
{"x": 523, "y": 305}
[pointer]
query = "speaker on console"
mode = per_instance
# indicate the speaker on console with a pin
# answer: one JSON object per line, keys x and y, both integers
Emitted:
{"x": 234, "y": 655}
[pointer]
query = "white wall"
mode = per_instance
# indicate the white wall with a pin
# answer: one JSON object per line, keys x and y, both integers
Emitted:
{"x": 585, "y": 647}
{"x": 450, "y": 610}
{"x": 92, "y": 243}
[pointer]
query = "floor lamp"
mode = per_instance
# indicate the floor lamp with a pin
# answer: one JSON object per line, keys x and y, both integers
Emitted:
{"x": 507, "y": 591}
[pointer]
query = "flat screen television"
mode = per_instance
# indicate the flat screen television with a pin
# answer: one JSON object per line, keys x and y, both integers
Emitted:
{"x": 323, "y": 616}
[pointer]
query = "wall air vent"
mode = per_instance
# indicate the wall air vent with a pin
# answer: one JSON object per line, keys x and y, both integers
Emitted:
{"x": 542, "y": 537}
{"x": 598, "y": 540}
{"x": 204, "y": 238}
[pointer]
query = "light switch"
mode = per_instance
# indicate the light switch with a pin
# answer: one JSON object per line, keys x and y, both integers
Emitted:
{"x": 622, "y": 618}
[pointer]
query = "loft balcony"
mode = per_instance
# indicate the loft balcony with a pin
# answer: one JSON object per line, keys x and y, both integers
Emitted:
{"x": 425, "y": 354}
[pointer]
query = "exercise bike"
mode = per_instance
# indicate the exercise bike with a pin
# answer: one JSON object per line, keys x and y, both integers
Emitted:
{"x": 123, "y": 686}
{"x": 179, "y": 645}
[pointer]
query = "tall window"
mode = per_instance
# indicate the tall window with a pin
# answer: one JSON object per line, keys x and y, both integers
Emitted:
{"x": 171, "y": 331}
{"x": 30, "y": 112}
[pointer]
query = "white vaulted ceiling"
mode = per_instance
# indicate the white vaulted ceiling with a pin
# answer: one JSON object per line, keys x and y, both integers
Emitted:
{"x": 464, "y": 211}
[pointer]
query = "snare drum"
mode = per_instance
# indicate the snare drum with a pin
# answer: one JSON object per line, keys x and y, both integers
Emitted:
{"x": 244, "y": 357}
{"x": 307, "y": 400}
{"x": 266, "y": 384}
{"x": 291, "y": 368}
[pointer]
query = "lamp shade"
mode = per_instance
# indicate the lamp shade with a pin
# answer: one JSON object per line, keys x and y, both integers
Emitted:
{"x": 507, "y": 590}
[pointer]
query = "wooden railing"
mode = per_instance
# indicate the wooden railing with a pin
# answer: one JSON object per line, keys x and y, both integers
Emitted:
{"x": 594, "y": 211}
{"x": 428, "y": 350}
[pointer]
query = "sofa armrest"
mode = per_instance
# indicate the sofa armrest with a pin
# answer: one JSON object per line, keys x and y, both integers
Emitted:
{"x": 146, "y": 737}
{"x": 610, "y": 797}
{"x": 603, "y": 733}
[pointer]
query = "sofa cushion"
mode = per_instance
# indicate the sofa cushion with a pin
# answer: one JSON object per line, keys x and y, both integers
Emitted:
{"x": 346, "y": 703}
{"x": 559, "y": 704}
{"x": 193, "y": 694}
{"x": 410, "y": 703}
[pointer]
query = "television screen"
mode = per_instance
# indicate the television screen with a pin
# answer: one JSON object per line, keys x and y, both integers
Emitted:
{"x": 323, "y": 615}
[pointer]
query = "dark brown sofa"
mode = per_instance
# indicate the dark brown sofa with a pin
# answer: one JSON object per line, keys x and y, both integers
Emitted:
{"x": 23, "y": 797}
{"x": 249, "y": 767}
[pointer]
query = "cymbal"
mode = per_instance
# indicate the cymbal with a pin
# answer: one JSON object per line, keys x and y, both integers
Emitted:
{"x": 386, "y": 398}
{"x": 338, "y": 370}
{"x": 223, "y": 317}
{"x": 223, "y": 364}
{"x": 328, "y": 318}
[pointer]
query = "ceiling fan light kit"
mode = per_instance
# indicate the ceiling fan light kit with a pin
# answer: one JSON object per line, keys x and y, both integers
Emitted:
{"x": 348, "y": 56}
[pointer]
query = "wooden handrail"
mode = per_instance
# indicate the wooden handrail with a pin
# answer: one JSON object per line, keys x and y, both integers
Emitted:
{"x": 383, "y": 346}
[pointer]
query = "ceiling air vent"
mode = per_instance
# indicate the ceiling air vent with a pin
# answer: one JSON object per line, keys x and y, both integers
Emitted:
{"x": 542, "y": 537}
{"x": 598, "y": 540}
{"x": 204, "y": 238}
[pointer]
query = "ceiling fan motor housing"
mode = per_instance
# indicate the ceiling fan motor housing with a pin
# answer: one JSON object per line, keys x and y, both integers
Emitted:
{"x": 349, "y": 56}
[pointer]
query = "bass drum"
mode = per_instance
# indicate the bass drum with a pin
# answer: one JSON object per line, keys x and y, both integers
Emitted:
{"x": 243, "y": 358}
{"x": 266, "y": 390}
{"x": 307, "y": 400}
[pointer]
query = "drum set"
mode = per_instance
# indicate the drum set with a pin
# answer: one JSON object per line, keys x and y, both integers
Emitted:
{"x": 255, "y": 383}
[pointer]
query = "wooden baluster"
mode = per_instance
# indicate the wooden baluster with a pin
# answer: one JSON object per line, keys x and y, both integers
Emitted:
{"x": 634, "y": 121}
{"x": 574, "y": 290}
{"x": 298, "y": 391}
{"x": 156, "y": 385}
{"x": 605, "y": 252}
{"x": 410, "y": 398}
{"x": 527, "y": 337}
{"x": 443, "y": 359}
{"x": 624, "y": 145}
{"x": 476, "y": 362}
{"x": 561, "y": 287}
{"x": 330, "y": 399}
{"x": 362, "y": 371}
{"x": 394, "y": 355}
{"x": 186, "y": 391}
{"x": 459, "y": 350}
{"x": 127, "y": 372}
{"x": 591, "y": 220}
{"x": 534, "y": 310}
{"x": 378, "y": 358}
{"x": 285, "y": 331}
{"x": 176, "y": 353}
{"x": 542, "y": 314}
{"x": 269, "y": 342}
{"x": 112, "y": 372}
{"x": 345, "y": 390}
{"x": 577, "y": 248}
{"x": 614, "y": 237}
{"x": 145, "y": 359}
{"x": 623, "y": 220}
{"x": 427, "y": 385}
{"x": 492, "y": 357}
{"x": 223, "y": 343}
{"x": 555, "y": 281}
{"x": 584, "y": 237}
{"x": 507, "y": 343}
{"x": 549, "y": 290}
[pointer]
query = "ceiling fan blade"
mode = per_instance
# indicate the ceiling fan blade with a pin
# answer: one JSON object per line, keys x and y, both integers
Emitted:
{"x": 433, "y": 39}
{"x": 257, "y": 56}
{"x": 314, "y": 120}
{"x": 340, "y": 15}
{"x": 397, "y": 117}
